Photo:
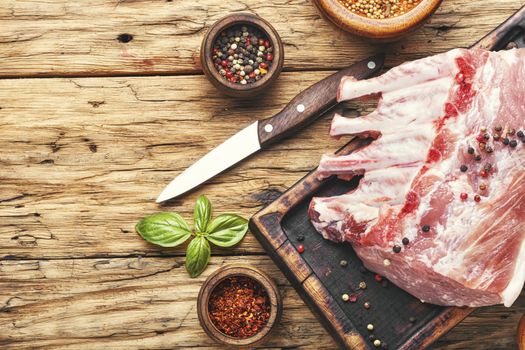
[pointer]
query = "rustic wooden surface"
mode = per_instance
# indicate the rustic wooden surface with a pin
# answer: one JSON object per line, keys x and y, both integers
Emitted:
{"x": 91, "y": 135}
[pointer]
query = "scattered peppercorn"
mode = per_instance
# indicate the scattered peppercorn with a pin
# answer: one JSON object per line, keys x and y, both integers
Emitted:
{"x": 498, "y": 128}
{"x": 239, "y": 307}
{"x": 353, "y": 298}
{"x": 506, "y": 141}
{"x": 396, "y": 249}
{"x": 463, "y": 168}
{"x": 242, "y": 54}
{"x": 379, "y": 9}
{"x": 463, "y": 196}
{"x": 371, "y": 337}
{"x": 386, "y": 262}
{"x": 370, "y": 327}
{"x": 425, "y": 228}
{"x": 405, "y": 241}
{"x": 482, "y": 187}
{"x": 496, "y": 137}
{"x": 300, "y": 238}
{"x": 488, "y": 167}
{"x": 343, "y": 263}
{"x": 378, "y": 278}
{"x": 477, "y": 198}
{"x": 345, "y": 297}
{"x": 483, "y": 129}
{"x": 300, "y": 248}
{"x": 478, "y": 158}
{"x": 470, "y": 150}
{"x": 520, "y": 134}
{"x": 412, "y": 319}
{"x": 362, "y": 285}
{"x": 513, "y": 143}
{"x": 489, "y": 149}
{"x": 377, "y": 343}
{"x": 511, "y": 131}
{"x": 480, "y": 138}
{"x": 486, "y": 137}
{"x": 367, "y": 305}
{"x": 483, "y": 173}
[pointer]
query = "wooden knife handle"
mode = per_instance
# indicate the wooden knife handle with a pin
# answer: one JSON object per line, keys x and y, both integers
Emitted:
{"x": 310, "y": 104}
{"x": 512, "y": 30}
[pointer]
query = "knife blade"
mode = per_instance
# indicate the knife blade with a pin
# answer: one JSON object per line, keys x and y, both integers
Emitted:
{"x": 302, "y": 110}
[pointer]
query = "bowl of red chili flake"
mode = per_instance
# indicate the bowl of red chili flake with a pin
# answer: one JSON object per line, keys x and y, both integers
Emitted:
{"x": 239, "y": 305}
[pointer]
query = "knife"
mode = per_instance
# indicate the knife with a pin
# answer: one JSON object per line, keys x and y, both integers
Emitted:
{"x": 302, "y": 110}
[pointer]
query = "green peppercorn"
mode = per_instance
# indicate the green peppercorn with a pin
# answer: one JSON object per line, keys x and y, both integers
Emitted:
{"x": 506, "y": 141}
{"x": 396, "y": 249}
{"x": 478, "y": 158}
{"x": 425, "y": 228}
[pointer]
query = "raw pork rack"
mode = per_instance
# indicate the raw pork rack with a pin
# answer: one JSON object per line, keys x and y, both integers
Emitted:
{"x": 440, "y": 209}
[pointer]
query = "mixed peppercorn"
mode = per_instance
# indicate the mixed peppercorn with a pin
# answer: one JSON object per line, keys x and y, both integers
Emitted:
{"x": 242, "y": 54}
{"x": 380, "y": 9}
{"x": 239, "y": 307}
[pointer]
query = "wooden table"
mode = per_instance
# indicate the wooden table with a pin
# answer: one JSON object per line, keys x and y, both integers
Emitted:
{"x": 92, "y": 128}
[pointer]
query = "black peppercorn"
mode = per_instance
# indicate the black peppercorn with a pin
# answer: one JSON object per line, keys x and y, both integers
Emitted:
{"x": 384, "y": 346}
{"x": 513, "y": 143}
{"x": 520, "y": 134}
{"x": 478, "y": 158}
{"x": 488, "y": 167}
{"x": 486, "y": 136}
{"x": 371, "y": 337}
{"x": 405, "y": 241}
{"x": 470, "y": 150}
{"x": 396, "y": 249}
{"x": 300, "y": 238}
{"x": 489, "y": 149}
{"x": 425, "y": 228}
{"x": 463, "y": 168}
{"x": 506, "y": 141}
{"x": 498, "y": 128}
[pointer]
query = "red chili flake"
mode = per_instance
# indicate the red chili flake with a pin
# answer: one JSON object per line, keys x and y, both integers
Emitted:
{"x": 239, "y": 307}
{"x": 353, "y": 298}
{"x": 300, "y": 248}
{"x": 477, "y": 198}
{"x": 463, "y": 196}
{"x": 378, "y": 278}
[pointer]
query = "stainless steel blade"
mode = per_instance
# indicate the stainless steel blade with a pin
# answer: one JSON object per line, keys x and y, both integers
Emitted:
{"x": 230, "y": 152}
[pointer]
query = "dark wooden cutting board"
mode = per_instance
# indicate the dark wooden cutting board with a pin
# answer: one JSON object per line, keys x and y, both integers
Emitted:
{"x": 400, "y": 320}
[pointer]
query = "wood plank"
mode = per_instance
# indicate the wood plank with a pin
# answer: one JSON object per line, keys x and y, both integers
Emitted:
{"x": 64, "y": 38}
{"x": 137, "y": 303}
{"x": 83, "y": 159}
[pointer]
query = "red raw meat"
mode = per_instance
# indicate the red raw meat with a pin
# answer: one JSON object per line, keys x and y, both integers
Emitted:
{"x": 463, "y": 217}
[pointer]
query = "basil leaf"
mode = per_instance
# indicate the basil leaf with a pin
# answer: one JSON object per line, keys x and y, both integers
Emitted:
{"x": 227, "y": 230}
{"x": 202, "y": 213}
{"x": 197, "y": 256}
{"x": 164, "y": 229}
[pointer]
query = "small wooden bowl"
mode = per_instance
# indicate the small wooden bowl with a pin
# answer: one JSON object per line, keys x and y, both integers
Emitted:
{"x": 234, "y": 89}
{"x": 521, "y": 333}
{"x": 238, "y": 270}
{"x": 381, "y": 30}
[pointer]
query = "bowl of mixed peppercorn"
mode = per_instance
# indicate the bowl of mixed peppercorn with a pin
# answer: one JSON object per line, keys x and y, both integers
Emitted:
{"x": 242, "y": 54}
{"x": 239, "y": 305}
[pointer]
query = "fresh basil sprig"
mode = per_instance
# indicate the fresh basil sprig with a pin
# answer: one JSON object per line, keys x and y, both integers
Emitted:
{"x": 170, "y": 230}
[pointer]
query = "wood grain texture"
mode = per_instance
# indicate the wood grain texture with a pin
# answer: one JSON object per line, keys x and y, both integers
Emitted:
{"x": 65, "y": 38}
{"x": 149, "y": 303}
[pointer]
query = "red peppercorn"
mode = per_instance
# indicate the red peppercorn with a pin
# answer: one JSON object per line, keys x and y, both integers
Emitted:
{"x": 483, "y": 173}
{"x": 477, "y": 198}
{"x": 215, "y": 50}
{"x": 269, "y": 57}
{"x": 263, "y": 65}
{"x": 353, "y": 298}
{"x": 252, "y": 75}
{"x": 463, "y": 196}
{"x": 261, "y": 42}
{"x": 378, "y": 278}
{"x": 233, "y": 79}
{"x": 229, "y": 74}
{"x": 480, "y": 138}
{"x": 267, "y": 43}
{"x": 224, "y": 63}
{"x": 300, "y": 248}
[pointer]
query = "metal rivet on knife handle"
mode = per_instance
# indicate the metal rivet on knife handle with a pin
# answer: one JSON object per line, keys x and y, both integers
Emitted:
{"x": 371, "y": 65}
{"x": 268, "y": 127}
{"x": 300, "y": 108}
